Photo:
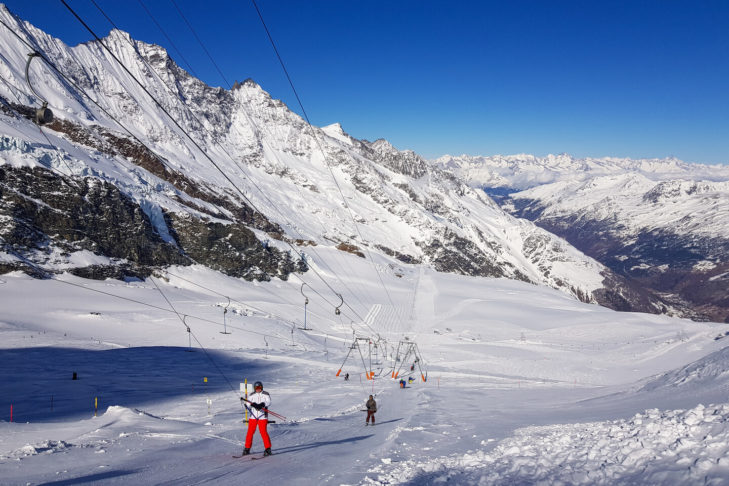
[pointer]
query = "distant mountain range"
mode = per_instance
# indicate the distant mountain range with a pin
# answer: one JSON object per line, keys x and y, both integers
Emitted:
{"x": 661, "y": 223}
{"x": 130, "y": 178}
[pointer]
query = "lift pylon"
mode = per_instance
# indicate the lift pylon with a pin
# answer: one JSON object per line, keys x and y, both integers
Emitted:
{"x": 356, "y": 344}
{"x": 407, "y": 351}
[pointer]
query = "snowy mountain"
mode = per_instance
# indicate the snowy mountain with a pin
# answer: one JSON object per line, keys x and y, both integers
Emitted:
{"x": 663, "y": 224}
{"x": 111, "y": 379}
{"x": 234, "y": 180}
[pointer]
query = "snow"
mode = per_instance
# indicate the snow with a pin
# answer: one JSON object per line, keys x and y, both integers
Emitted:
{"x": 525, "y": 385}
{"x": 643, "y": 195}
{"x": 654, "y": 447}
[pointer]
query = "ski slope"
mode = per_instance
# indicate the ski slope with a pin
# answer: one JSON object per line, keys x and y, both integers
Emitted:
{"x": 525, "y": 385}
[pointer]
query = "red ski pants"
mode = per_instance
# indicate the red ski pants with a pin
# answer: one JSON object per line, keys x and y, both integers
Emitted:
{"x": 372, "y": 415}
{"x": 262, "y": 424}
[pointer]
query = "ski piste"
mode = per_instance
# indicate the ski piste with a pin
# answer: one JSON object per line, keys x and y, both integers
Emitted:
{"x": 277, "y": 415}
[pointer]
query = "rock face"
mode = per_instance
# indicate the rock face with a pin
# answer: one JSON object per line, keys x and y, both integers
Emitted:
{"x": 44, "y": 213}
{"x": 660, "y": 224}
{"x": 46, "y": 217}
{"x": 232, "y": 179}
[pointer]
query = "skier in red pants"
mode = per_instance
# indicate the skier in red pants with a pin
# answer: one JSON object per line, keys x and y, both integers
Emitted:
{"x": 258, "y": 408}
{"x": 371, "y": 409}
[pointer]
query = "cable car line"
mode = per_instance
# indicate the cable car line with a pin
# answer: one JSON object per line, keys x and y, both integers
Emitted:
{"x": 160, "y": 29}
{"x": 177, "y": 124}
{"x": 202, "y": 152}
{"x": 321, "y": 148}
{"x": 273, "y": 152}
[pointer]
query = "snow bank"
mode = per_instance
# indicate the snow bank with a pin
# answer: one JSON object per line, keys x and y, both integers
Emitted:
{"x": 712, "y": 371}
{"x": 659, "y": 448}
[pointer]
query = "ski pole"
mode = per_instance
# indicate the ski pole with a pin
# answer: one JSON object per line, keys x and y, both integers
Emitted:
{"x": 266, "y": 410}
{"x": 277, "y": 415}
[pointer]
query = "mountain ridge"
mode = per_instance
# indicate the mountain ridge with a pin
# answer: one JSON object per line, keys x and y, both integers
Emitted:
{"x": 661, "y": 223}
{"x": 316, "y": 189}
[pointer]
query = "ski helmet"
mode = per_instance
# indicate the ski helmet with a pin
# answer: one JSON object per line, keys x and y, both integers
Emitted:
{"x": 258, "y": 384}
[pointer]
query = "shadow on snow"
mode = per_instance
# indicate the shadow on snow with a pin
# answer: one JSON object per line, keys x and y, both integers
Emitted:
{"x": 91, "y": 478}
{"x": 323, "y": 443}
{"x": 38, "y": 382}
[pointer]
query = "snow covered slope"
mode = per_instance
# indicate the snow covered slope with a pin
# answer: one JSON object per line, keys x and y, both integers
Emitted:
{"x": 210, "y": 161}
{"x": 523, "y": 171}
{"x": 524, "y": 384}
{"x": 661, "y": 223}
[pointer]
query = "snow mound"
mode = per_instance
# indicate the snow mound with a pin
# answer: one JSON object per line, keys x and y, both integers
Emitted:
{"x": 655, "y": 447}
{"x": 713, "y": 370}
{"x": 45, "y": 447}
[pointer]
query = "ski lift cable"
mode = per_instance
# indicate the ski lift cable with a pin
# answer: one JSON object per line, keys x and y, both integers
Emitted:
{"x": 189, "y": 66}
{"x": 58, "y": 150}
{"x": 194, "y": 116}
{"x": 177, "y": 124}
{"x": 190, "y": 333}
{"x": 255, "y": 125}
{"x": 321, "y": 148}
{"x": 110, "y": 116}
{"x": 236, "y": 300}
{"x": 79, "y": 90}
{"x": 42, "y": 271}
{"x": 199, "y": 42}
{"x": 165, "y": 84}
{"x": 183, "y": 319}
{"x": 153, "y": 306}
{"x": 82, "y": 92}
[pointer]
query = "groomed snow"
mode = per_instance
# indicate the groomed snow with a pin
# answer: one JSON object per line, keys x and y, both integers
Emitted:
{"x": 525, "y": 385}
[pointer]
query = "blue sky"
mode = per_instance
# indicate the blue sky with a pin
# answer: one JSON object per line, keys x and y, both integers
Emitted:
{"x": 627, "y": 79}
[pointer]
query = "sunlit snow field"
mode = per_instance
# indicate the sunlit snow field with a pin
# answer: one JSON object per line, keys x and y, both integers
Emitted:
{"x": 524, "y": 384}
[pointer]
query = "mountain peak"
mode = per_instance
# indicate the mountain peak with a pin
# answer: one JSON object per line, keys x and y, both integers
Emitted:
{"x": 334, "y": 128}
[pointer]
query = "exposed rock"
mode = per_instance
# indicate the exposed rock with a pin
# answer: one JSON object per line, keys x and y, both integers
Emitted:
{"x": 45, "y": 213}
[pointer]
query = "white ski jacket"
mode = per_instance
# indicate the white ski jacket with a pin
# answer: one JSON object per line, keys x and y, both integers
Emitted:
{"x": 259, "y": 397}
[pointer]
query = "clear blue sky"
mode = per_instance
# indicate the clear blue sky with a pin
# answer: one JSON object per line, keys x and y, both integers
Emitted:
{"x": 590, "y": 78}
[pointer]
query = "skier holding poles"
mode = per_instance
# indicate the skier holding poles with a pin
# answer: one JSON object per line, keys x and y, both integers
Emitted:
{"x": 257, "y": 405}
{"x": 371, "y": 409}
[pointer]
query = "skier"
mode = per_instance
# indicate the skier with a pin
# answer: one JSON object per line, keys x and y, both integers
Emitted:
{"x": 371, "y": 409}
{"x": 258, "y": 408}
{"x": 346, "y": 377}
